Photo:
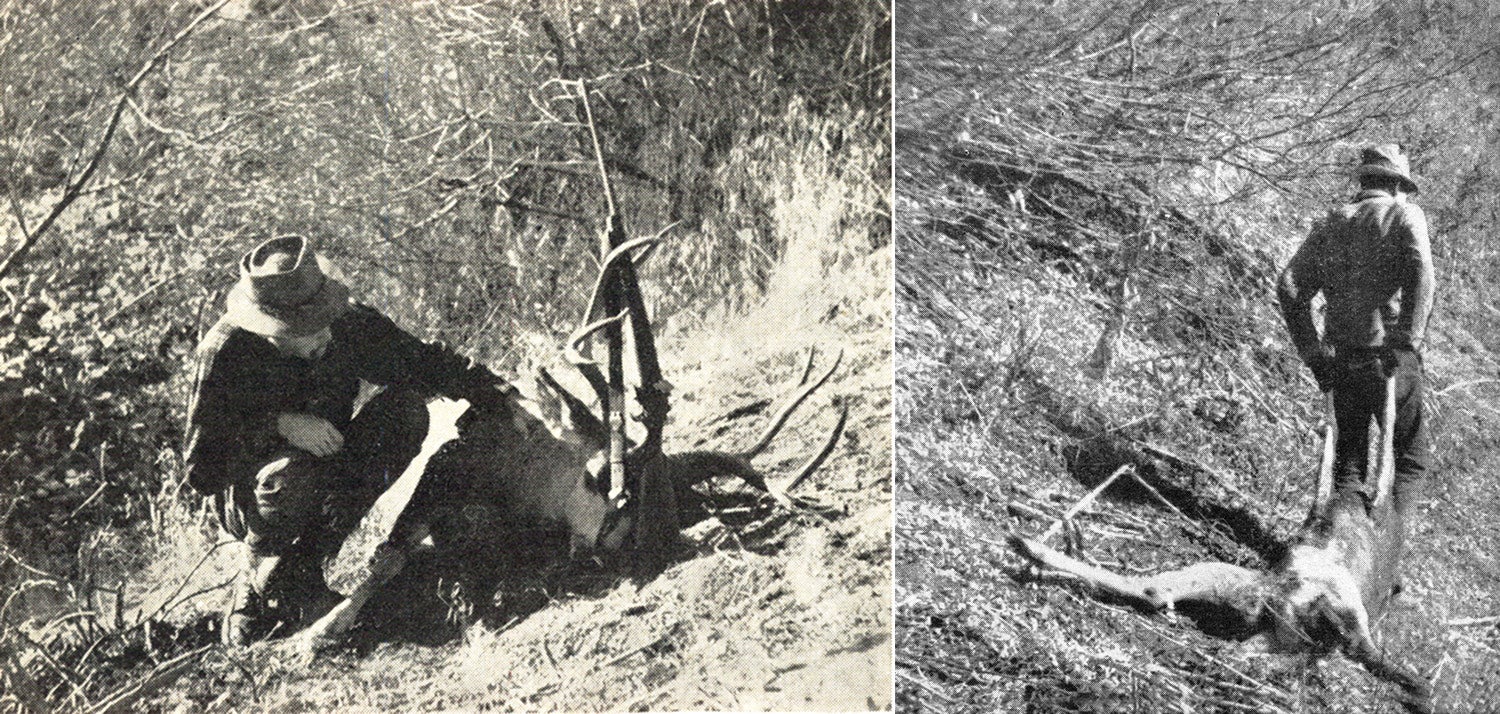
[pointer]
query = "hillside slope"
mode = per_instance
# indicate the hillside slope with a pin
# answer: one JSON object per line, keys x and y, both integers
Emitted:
{"x": 764, "y": 609}
{"x": 1093, "y": 202}
{"x": 1009, "y": 410}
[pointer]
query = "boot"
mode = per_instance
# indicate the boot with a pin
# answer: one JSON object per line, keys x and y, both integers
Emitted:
{"x": 248, "y": 616}
{"x": 240, "y": 614}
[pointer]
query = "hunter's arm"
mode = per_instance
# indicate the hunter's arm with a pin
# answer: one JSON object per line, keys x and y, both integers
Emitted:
{"x": 429, "y": 368}
{"x": 224, "y": 408}
{"x": 1417, "y": 278}
{"x": 1300, "y": 281}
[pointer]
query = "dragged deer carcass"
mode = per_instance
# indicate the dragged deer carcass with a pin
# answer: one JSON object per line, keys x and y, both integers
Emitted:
{"x": 551, "y": 462}
{"x": 1336, "y": 579}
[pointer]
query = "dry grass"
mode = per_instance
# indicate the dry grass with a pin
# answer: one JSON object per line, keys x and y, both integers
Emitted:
{"x": 766, "y": 609}
{"x": 1002, "y": 412}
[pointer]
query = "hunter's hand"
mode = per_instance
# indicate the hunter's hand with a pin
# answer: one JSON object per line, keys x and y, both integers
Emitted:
{"x": 309, "y": 433}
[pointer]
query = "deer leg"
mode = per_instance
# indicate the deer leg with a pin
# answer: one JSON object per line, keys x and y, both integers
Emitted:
{"x": 1330, "y": 452}
{"x": 1386, "y": 471}
{"x": 390, "y": 557}
{"x": 1215, "y": 584}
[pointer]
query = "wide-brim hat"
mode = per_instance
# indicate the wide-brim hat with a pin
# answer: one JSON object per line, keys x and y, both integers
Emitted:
{"x": 1386, "y": 160}
{"x": 285, "y": 290}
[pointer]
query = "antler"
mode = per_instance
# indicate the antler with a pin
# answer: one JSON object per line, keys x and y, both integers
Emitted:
{"x": 817, "y": 459}
{"x": 586, "y": 365}
{"x": 589, "y": 427}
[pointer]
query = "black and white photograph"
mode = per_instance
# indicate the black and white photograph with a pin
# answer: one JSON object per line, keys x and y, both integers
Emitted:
{"x": 390, "y": 355}
{"x": 1196, "y": 356}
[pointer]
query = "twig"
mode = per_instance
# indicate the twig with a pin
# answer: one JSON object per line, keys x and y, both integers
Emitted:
{"x": 1463, "y": 385}
{"x": 184, "y": 582}
{"x": 1084, "y": 502}
{"x": 90, "y": 499}
{"x": 1188, "y": 464}
{"x": 1020, "y": 509}
{"x": 1152, "y": 490}
{"x": 925, "y": 686}
{"x": 1473, "y": 621}
{"x": 72, "y": 191}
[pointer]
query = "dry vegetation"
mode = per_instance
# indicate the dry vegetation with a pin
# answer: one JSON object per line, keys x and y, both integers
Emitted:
{"x": 1093, "y": 200}
{"x": 430, "y": 149}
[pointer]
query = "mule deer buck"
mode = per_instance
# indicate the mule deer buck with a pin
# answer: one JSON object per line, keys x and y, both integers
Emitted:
{"x": 1336, "y": 579}
{"x": 552, "y": 462}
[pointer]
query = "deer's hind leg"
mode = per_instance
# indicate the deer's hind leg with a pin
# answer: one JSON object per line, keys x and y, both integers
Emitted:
{"x": 1212, "y": 584}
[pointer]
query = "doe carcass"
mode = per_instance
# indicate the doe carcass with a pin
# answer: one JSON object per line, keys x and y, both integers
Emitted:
{"x": 551, "y": 462}
{"x": 1336, "y": 579}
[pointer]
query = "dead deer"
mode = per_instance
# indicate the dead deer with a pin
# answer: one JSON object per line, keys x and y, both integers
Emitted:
{"x": 1336, "y": 579}
{"x": 551, "y": 461}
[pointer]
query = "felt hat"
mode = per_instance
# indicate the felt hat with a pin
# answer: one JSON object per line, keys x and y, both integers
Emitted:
{"x": 285, "y": 290}
{"x": 1386, "y": 160}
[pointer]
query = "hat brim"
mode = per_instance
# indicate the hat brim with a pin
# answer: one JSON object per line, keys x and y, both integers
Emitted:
{"x": 1371, "y": 170}
{"x": 244, "y": 312}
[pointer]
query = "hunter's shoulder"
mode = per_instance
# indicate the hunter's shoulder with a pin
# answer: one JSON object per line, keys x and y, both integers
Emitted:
{"x": 361, "y": 318}
{"x": 224, "y": 337}
{"x": 1409, "y": 212}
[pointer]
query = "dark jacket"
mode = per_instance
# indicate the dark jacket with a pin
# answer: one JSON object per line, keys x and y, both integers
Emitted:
{"x": 1372, "y": 261}
{"x": 242, "y": 382}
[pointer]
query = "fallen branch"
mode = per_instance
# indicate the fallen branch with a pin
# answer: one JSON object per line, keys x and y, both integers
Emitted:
{"x": 1190, "y": 465}
{"x": 1022, "y": 510}
{"x": 1473, "y": 621}
{"x": 1085, "y": 502}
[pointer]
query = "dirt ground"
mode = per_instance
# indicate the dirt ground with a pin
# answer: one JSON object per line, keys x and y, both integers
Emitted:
{"x": 765, "y": 609}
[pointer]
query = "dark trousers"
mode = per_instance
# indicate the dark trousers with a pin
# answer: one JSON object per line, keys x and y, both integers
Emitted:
{"x": 1360, "y": 398}
{"x": 294, "y": 509}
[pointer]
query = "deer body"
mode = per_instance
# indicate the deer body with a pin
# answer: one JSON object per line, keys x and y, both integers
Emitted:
{"x": 1334, "y": 582}
{"x": 540, "y": 465}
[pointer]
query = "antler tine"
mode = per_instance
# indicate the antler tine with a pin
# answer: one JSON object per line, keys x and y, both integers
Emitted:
{"x": 595, "y": 378}
{"x": 586, "y": 366}
{"x": 611, "y": 264}
{"x": 812, "y": 353}
{"x": 822, "y": 455}
{"x": 786, "y": 411}
{"x": 571, "y": 351}
{"x": 589, "y": 426}
{"x": 650, "y": 249}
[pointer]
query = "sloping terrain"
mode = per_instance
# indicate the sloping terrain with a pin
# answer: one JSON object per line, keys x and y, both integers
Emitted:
{"x": 763, "y": 609}
{"x": 447, "y": 159}
{"x": 1093, "y": 202}
{"x": 1007, "y": 415}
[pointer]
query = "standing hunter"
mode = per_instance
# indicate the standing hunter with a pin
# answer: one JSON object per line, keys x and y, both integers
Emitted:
{"x": 273, "y": 434}
{"x": 1372, "y": 260}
